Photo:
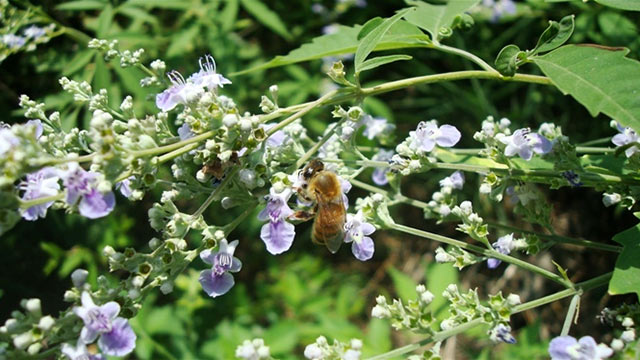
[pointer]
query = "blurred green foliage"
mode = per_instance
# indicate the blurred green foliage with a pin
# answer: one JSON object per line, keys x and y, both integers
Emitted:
{"x": 291, "y": 299}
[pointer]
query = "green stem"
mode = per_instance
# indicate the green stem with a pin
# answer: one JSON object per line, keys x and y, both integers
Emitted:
{"x": 174, "y": 146}
{"x": 215, "y": 193}
{"x": 558, "y": 238}
{"x": 490, "y": 253}
{"x": 571, "y": 312}
{"x": 579, "y": 149}
{"x": 309, "y": 106}
{"x": 467, "y": 55}
{"x": 441, "y": 335}
{"x": 317, "y": 145}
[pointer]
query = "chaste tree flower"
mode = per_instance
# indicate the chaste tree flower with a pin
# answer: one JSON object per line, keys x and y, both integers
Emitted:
{"x": 79, "y": 352}
{"x": 427, "y": 135}
{"x": 524, "y": 143}
{"x": 207, "y": 75}
{"x": 356, "y": 231}
{"x": 379, "y": 175}
{"x": 568, "y": 348}
{"x": 503, "y": 245}
{"x": 277, "y": 234}
{"x": 217, "y": 280}
{"x": 116, "y": 336}
{"x": 374, "y": 127}
{"x": 454, "y": 181}
{"x": 625, "y": 137}
{"x": 40, "y": 184}
{"x": 253, "y": 350}
{"x": 180, "y": 92}
{"x": 7, "y": 140}
{"x": 82, "y": 184}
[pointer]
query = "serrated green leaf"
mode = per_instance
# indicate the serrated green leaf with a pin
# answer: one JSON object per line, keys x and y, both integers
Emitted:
{"x": 404, "y": 285}
{"x": 601, "y": 79}
{"x": 266, "y": 17}
{"x": 506, "y": 61}
{"x": 434, "y": 17}
{"x": 345, "y": 41}
{"x": 82, "y": 5}
{"x": 104, "y": 21}
{"x": 555, "y": 35}
{"x": 626, "y": 275}
{"x": 371, "y": 40}
{"x": 382, "y": 60}
{"x": 163, "y": 4}
{"x": 632, "y": 5}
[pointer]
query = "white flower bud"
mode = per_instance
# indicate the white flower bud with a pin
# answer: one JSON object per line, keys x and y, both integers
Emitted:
{"x": 485, "y": 188}
{"x": 452, "y": 288}
{"x": 377, "y": 197}
{"x": 230, "y": 120}
{"x": 380, "y": 312}
{"x": 380, "y": 299}
{"x": 23, "y": 340}
{"x": 166, "y": 287}
{"x": 437, "y": 196}
{"x": 414, "y": 165}
{"x": 447, "y": 324}
{"x": 46, "y": 322}
{"x": 202, "y": 176}
{"x": 321, "y": 340}
{"x": 137, "y": 281}
{"x": 356, "y": 344}
{"x": 427, "y": 297}
{"x": 34, "y": 348}
{"x": 245, "y": 125}
{"x": 219, "y": 235}
{"x": 79, "y": 277}
{"x": 444, "y": 210}
{"x": 421, "y": 288}
{"x": 513, "y": 299}
{"x": 33, "y": 306}
{"x": 263, "y": 352}
{"x": 273, "y": 88}
{"x": 108, "y": 251}
{"x": 158, "y": 65}
{"x": 70, "y": 296}
{"x": 627, "y": 322}
{"x": 10, "y": 324}
{"x": 442, "y": 256}
{"x": 466, "y": 207}
{"x": 313, "y": 352}
{"x": 154, "y": 243}
{"x": 611, "y": 199}
{"x": 617, "y": 344}
{"x": 628, "y": 336}
{"x": 133, "y": 294}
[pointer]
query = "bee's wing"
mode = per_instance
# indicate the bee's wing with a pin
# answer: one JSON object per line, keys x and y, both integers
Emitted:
{"x": 328, "y": 227}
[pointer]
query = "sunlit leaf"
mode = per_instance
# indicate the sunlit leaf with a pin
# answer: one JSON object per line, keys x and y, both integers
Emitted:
{"x": 382, "y": 60}
{"x": 601, "y": 79}
{"x": 633, "y": 5}
{"x": 404, "y": 285}
{"x": 433, "y": 18}
{"x": 82, "y": 5}
{"x": 626, "y": 275}
{"x": 266, "y": 17}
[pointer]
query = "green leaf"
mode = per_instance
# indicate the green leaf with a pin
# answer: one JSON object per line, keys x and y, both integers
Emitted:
{"x": 79, "y": 60}
{"x": 555, "y": 35}
{"x": 182, "y": 42}
{"x": 345, "y": 41}
{"x": 135, "y": 13}
{"x": 506, "y": 61}
{"x": 381, "y": 60}
{"x": 104, "y": 21}
{"x": 404, "y": 285}
{"x": 633, "y": 5}
{"x": 439, "y": 276}
{"x": 280, "y": 337}
{"x": 368, "y": 26}
{"x": 626, "y": 275}
{"x": 266, "y": 16}
{"x": 163, "y": 4}
{"x": 433, "y": 18}
{"x": 371, "y": 40}
{"x": 602, "y": 79}
{"x": 229, "y": 15}
{"x": 82, "y": 5}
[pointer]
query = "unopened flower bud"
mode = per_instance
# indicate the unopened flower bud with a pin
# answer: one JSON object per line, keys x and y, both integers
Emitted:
{"x": 23, "y": 340}
{"x": 628, "y": 335}
{"x": 46, "y": 322}
{"x": 230, "y": 120}
{"x": 427, "y": 297}
{"x": 34, "y": 348}
{"x": 166, "y": 287}
{"x": 79, "y": 277}
{"x": 617, "y": 344}
{"x": 627, "y": 322}
{"x": 380, "y": 312}
{"x": 356, "y": 344}
{"x": 611, "y": 199}
{"x": 33, "y": 306}
{"x": 513, "y": 299}
{"x": 70, "y": 296}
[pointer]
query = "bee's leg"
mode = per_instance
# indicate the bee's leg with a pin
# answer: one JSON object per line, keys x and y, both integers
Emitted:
{"x": 302, "y": 215}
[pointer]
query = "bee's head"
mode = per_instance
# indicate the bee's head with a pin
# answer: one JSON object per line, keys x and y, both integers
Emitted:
{"x": 314, "y": 166}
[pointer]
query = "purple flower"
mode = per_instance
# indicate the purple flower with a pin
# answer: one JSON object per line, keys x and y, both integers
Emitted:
{"x": 79, "y": 352}
{"x": 180, "y": 92}
{"x": 81, "y": 184}
{"x": 276, "y": 139}
{"x": 524, "y": 143}
{"x": 40, "y": 184}
{"x": 345, "y": 186}
{"x": 34, "y": 32}
{"x": 207, "y": 75}
{"x": 568, "y": 348}
{"x": 38, "y": 126}
{"x": 125, "y": 186}
{"x": 502, "y": 333}
{"x": 217, "y": 280}
{"x": 13, "y": 41}
{"x": 454, "y": 181}
{"x": 499, "y": 8}
{"x": 376, "y": 126}
{"x": 7, "y": 140}
{"x": 428, "y": 134}
{"x": 184, "y": 132}
{"x": 116, "y": 336}
{"x": 504, "y": 245}
{"x": 120, "y": 341}
{"x": 379, "y": 175}
{"x": 356, "y": 231}
{"x": 277, "y": 234}
{"x": 626, "y": 136}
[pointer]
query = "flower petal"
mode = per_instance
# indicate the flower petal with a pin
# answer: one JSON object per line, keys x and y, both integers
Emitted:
{"x": 88, "y": 335}
{"x": 207, "y": 256}
{"x": 120, "y": 341}
{"x": 558, "y": 347}
{"x": 363, "y": 249}
{"x": 110, "y": 309}
{"x": 277, "y": 236}
{"x": 216, "y": 285}
{"x": 449, "y": 136}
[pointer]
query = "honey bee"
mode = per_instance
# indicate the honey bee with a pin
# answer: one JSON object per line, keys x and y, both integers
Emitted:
{"x": 323, "y": 187}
